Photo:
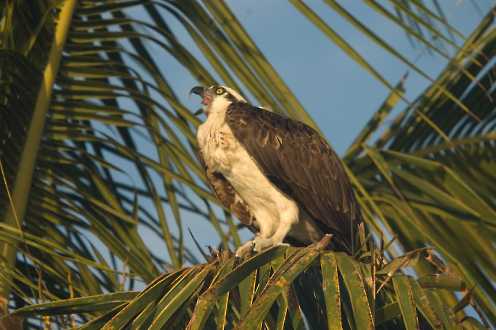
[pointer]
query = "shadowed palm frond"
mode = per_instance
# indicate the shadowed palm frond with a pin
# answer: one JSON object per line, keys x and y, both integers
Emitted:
{"x": 281, "y": 288}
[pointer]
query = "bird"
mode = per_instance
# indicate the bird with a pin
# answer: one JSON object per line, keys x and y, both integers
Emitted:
{"x": 277, "y": 175}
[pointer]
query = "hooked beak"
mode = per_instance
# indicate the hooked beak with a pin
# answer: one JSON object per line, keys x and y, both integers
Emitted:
{"x": 206, "y": 98}
{"x": 198, "y": 90}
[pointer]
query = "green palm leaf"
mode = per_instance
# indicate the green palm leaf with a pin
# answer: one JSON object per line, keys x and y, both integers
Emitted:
{"x": 200, "y": 289}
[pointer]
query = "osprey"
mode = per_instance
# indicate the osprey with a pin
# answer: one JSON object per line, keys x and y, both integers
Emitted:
{"x": 278, "y": 176}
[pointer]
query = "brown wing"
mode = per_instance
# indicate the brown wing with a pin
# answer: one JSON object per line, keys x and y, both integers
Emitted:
{"x": 300, "y": 163}
{"x": 227, "y": 195}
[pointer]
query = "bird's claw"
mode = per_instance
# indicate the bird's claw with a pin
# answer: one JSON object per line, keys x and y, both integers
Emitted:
{"x": 244, "y": 249}
{"x": 260, "y": 244}
{"x": 257, "y": 245}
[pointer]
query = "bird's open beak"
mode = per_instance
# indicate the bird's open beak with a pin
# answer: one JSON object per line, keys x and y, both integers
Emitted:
{"x": 198, "y": 90}
{"x": 204, "y": 93}
{"x": 206, "y": 98}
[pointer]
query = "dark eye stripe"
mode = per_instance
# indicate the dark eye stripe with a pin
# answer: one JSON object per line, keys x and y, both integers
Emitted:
{"x": 231, "y": 98}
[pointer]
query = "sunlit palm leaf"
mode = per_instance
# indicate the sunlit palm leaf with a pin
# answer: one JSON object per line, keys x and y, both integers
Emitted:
{"x": 429, "y": 172}
{"x": 202, "y": 289}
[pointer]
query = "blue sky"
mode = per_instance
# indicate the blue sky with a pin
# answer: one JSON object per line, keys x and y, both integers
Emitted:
{"x": 340, "y": 95}
{"x": 335, "y": 90}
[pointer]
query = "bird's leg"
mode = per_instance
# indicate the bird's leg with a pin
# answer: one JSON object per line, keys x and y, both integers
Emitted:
{"x": 287, "y": 218}
{"x": 265, "y": 230}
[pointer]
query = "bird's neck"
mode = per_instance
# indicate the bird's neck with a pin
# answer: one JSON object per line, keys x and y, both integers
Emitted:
{"x": 219, "y": 105}
{"x": 215, "y": 121}
{"x": 217, "y": 110}
{"x": 215, "y": 117}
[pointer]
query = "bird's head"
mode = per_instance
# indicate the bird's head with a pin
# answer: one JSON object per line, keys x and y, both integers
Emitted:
{"x": 216, "y": 98}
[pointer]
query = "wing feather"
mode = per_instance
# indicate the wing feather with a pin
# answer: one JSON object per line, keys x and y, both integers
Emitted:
{"x": 301, "y": 164}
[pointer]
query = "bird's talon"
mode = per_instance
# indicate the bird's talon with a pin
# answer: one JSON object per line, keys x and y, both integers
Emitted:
{"x": 245, "y": 249}
{"x": 261, "y": 244}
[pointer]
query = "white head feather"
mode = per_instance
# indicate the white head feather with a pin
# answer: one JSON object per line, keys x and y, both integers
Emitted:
{"x": 220, "y": 101}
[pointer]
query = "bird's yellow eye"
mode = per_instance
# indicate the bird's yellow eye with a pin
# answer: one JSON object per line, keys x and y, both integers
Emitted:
{"x": 219, "y": 91}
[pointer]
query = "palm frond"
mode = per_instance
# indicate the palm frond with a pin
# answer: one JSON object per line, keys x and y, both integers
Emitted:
{"x": 348, "y": 293}
{"x": 429, "y": 171}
